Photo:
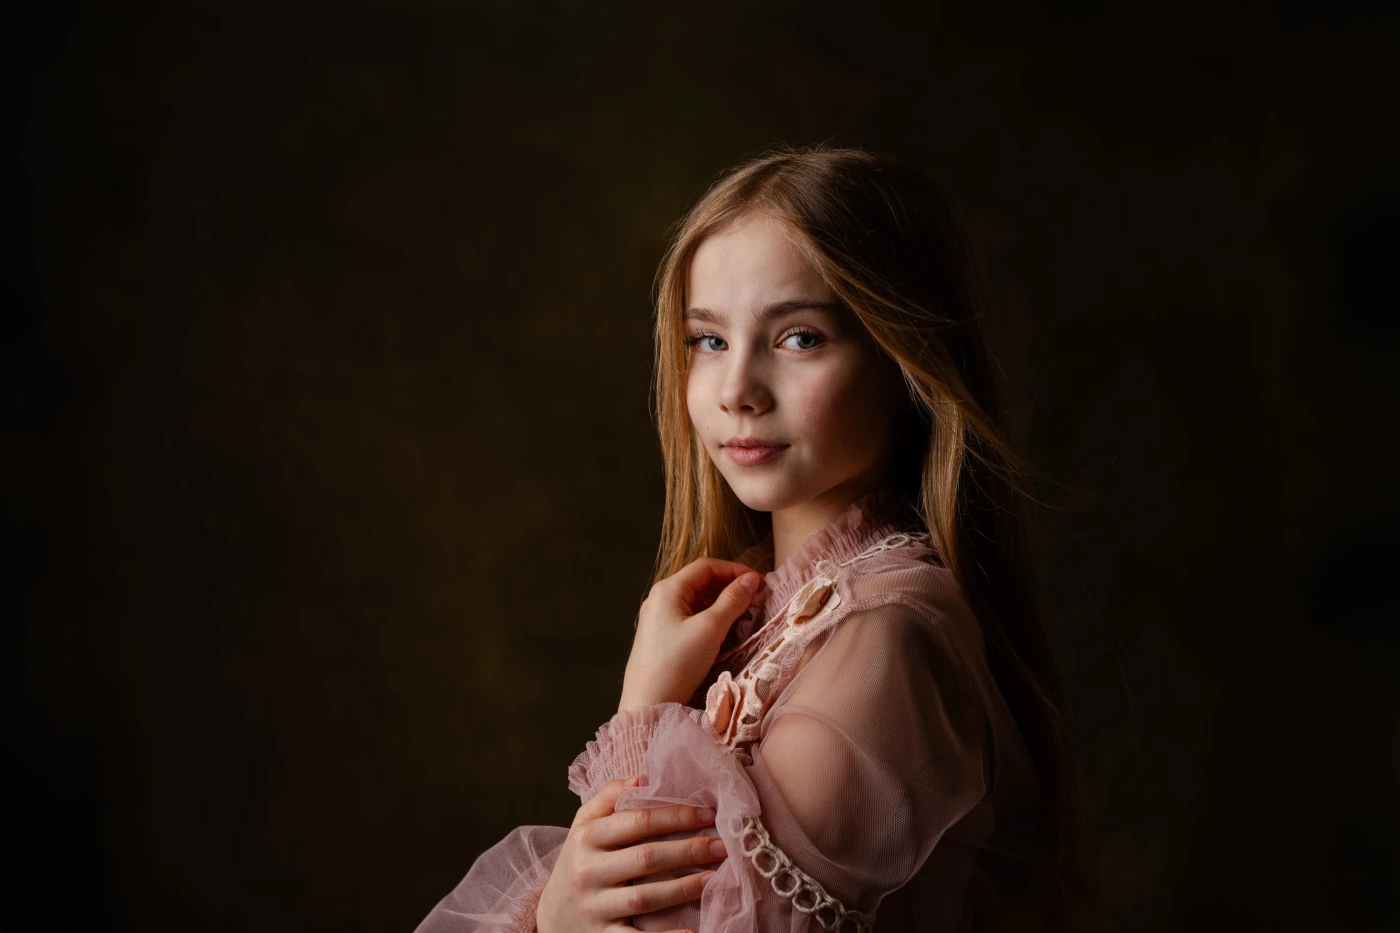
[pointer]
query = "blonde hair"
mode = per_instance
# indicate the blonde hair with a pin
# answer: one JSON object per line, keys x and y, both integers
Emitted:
{"x": 888, "y": 243}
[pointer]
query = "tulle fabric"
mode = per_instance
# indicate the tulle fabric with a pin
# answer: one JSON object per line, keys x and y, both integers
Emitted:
{"x": 888, "y": 783}
{"x": 503, "y": 887}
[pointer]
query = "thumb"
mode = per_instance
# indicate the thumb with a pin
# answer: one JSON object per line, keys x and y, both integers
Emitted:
{"x": 601, "y": 804}
{"x": 733, "y": 601}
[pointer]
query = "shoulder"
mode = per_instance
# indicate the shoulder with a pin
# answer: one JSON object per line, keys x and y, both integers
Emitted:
{"x": 907, "y": 598}
{"x": 912, "y": 576}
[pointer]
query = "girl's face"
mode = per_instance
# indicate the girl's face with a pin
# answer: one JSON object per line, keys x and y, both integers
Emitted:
{"x": 791, "y": 397}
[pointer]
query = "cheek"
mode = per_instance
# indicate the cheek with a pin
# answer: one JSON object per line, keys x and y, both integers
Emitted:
{"x": 842, "y": 414}
{"x": 695, "y": 396}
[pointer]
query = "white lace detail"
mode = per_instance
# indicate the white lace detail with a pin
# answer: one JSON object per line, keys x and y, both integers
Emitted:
{"x": 805, "y": 892}
{"x": 735, "y": 705}
{"x": 826, "y": 571}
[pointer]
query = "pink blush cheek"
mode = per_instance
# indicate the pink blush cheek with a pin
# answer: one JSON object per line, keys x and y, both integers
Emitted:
{"x": 826, "y": 427}
{"x": 838, "y": 423}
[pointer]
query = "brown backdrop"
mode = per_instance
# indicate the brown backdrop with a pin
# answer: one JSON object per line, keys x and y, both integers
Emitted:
{"x": 335, "y": 486}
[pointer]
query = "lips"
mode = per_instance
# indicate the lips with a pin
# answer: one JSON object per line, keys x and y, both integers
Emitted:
{"x": 751, "y": 451}
{"x": 753, "y": 442}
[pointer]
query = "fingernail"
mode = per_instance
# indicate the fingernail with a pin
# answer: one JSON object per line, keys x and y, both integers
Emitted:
{"x": 706, "y": 876}
{"x": 717, "y": 847}
{"x": 632, "y": 781}
{"x": 751, "y": 581}
{"x": 705, "y": 813}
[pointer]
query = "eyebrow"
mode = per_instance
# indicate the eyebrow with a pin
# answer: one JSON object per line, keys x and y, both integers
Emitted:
{"x": 768, "y": 312}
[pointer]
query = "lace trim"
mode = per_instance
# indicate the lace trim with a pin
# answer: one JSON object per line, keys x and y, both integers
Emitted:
{"x": 871, "y": 516}
{"x": 805, "y": 892}
{"x": 735, "y": 704}
{"x": 826, "y": 573}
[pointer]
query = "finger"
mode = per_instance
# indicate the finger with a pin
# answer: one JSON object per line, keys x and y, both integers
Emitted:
{"x": 632, "y": 826}
{"x": 733, "y": 602}
{"x": 705, "y": 573}
{"x": 648, "y": 858}
{"x": 602, "y": 803}
{"x": 627, "y": 900}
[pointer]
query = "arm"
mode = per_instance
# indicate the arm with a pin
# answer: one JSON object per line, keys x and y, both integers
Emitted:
{"x": 509, "y": 884}
{"x": 867, "y": 757}
{"x": 578, "y": 879}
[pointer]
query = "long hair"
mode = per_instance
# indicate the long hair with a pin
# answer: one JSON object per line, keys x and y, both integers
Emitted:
{"x": 889, "y": 243}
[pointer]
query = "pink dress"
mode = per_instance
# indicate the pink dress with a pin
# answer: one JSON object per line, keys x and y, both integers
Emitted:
{"x": 883, "y": 776}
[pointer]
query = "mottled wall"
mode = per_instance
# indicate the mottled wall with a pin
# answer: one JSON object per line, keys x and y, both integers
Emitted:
{"x": 335, "y": 486}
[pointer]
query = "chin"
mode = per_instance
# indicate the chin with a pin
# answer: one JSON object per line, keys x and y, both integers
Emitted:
{"x": 766, "y": 493}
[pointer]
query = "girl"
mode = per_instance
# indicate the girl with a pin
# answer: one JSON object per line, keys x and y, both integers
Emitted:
{"x": 873, "y": 722}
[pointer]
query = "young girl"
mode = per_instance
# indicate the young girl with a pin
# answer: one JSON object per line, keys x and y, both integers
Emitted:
{"x": 873, "y": 723}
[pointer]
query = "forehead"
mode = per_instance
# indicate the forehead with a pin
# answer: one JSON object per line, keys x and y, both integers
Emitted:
{"x": 748, "y": 263}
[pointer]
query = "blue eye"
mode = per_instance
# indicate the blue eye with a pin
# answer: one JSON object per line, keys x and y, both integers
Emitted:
{"x": 808, "y": 340}
{"x": 805, "y": 334}
{"x": 696, "y": 338}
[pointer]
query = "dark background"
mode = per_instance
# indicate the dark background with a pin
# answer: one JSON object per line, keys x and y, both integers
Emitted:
{"x": 336, "y": 492}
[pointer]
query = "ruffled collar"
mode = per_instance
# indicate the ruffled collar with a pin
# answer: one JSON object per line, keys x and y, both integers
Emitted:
{"x": 865, "y": 521}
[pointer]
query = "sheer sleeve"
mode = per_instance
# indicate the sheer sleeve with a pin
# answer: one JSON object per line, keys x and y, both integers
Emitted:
{"x": 868, "y": 756}
{"x": 502, "y": 889}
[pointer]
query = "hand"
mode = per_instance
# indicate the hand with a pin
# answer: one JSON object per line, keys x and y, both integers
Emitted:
{"x": 587, "y": 891}
{"x": 678, "y": 638}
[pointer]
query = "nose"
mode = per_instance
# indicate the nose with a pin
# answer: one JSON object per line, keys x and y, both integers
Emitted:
{"x": 745, "y": 385}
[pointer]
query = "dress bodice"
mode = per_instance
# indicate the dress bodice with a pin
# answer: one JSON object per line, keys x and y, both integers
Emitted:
{"x": 802, "y": 602}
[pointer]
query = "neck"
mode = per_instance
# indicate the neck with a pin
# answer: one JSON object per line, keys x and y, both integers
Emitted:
{"x": 793, "y": 525}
